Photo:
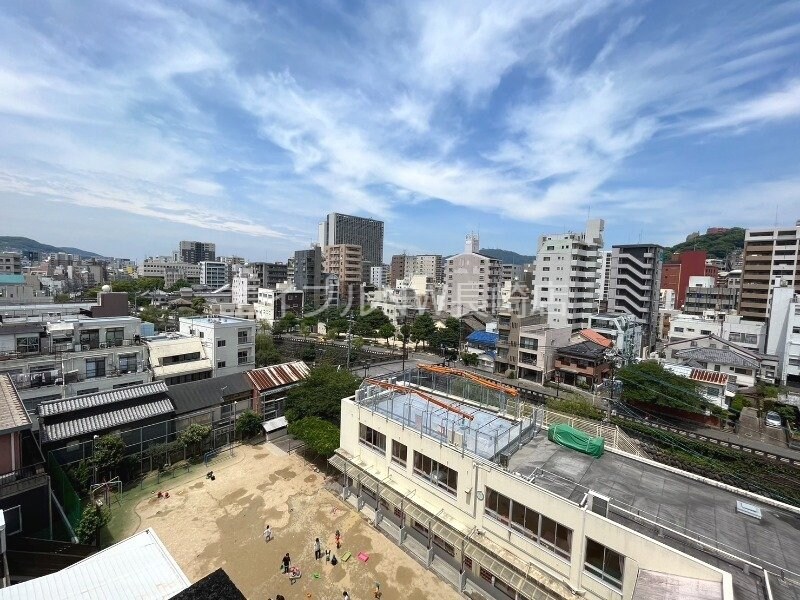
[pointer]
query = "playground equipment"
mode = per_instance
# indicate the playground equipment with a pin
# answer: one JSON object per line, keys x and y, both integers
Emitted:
{"x": 104, "y": 494}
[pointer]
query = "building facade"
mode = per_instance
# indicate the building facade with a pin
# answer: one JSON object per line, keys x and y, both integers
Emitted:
{"x": 730, "y": 327}
{"x": 10, "y": 263}
{"x": 633, "y": 286}
{"x": 472, "y": 281}
{"x": 272, "y": 305}
{"x": 622, "y": 329}
{"x": 308, "y": 275}
{"x": 214, "y": 274}
{"x": 345, "y": 261}
{"x": 170, "y": 271}
{"x": 768, "y": 254}
{"x": 678, "y": 269}
{"x": 229, "y": 342}
{"x": 269, "y": 274}
{"x": 340, "y": 229}
{"x": 379, "y": 276}
{"x": 196, "y": 252}
{"x": 244, "y": 289}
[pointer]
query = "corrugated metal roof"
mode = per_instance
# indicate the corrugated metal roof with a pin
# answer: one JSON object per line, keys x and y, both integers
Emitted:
{"x": 67, "y": 405}
{"x": 139, "y": 567}
{"x": 13, "y": 415}
{"x": 709, "y": 376}
{"x": 276, "y": 376}
{"x": 80, "y": 427}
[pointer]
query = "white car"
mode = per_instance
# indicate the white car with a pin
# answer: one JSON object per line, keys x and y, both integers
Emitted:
{"x": 773, "y": 419}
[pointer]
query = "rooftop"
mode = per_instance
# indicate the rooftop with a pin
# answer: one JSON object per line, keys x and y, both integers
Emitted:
{"x": 137, "y": 568}
{"x": 197, "y": 395}
{"x": 587, "y": 349}
{"x": 277, "y": 376}
{"x": 216, "y": 321}
{"x": 12, "y": 279}
{"x": 13, "y": 416}
{"x": 703, "y": 511}
{"x": 77, "y": 403}
{"x": 718, "y": 356}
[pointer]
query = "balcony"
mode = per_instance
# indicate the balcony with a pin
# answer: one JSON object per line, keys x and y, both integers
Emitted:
{"x": 57, "y": 348}
{"x": 245, "y": 340}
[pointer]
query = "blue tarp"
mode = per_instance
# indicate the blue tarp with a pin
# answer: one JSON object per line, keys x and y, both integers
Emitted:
{"x": 483, "y": 338}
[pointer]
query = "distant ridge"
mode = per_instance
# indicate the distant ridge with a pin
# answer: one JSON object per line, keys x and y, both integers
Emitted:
{"x": 22, "y": 244}
{"x": 508, "y": 257}
{"x": 717, "y": 245}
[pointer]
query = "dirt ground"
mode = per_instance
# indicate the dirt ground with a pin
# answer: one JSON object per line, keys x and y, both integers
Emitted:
{"x": 210, "y": 524}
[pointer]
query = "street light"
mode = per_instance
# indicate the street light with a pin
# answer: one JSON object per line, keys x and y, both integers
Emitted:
{"x": 94, "y": 460}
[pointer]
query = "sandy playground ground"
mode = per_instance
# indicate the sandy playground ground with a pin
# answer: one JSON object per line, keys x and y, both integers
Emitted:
{"x": 210, "y": 524}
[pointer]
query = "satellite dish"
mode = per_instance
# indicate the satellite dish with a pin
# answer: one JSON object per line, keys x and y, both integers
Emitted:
{"x": 106, "y": 288}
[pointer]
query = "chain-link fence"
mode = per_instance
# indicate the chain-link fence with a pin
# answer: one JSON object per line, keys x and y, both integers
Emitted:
{"x": 65, "y": 491}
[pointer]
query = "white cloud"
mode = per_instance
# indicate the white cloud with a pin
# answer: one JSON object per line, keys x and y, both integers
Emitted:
{"x": 773, "y": 106}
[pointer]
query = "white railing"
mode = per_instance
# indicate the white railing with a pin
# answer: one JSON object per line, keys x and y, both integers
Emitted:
{"x": 613, "y": 435}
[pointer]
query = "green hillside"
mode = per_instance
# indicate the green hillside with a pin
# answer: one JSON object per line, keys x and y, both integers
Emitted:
{"x": 717, "y": 245}
{"x": 23, "y": 244}
{"x": 507, "y": 256}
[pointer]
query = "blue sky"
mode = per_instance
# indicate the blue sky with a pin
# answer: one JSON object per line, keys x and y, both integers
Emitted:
{"x": 129, "y": 126}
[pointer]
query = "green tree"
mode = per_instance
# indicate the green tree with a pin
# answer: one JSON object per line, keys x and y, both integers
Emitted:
{"x": 305, "y": 329}
{"x": 266, "y": 352}
{"x": 470, "y": 359}
{"x": 320, "y": 394}
{"x": 358, "y": 343}
{"x": 199, "y": 305}
{"x": 423, "y": 328}
{"x": 181, "y": 283}
{"x": 107, "y": 454}
{"x": 651, "y": 383}
{"x": 193, "y": 436}
{"x": 92, "y": 521}
{"x": 248, "y": 424}
{"x": 386, "y": 331}
{"x": 289, "y": 321}
{"x": 319, "y": 435}
{"x": 405, "y": 334}
{"x": 60, "y": 298}
{"x": 332, "y": 333}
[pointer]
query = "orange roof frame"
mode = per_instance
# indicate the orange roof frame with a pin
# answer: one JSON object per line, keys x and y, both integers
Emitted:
{"x": 487, "y": 383}
{"x": 407, "y": 390}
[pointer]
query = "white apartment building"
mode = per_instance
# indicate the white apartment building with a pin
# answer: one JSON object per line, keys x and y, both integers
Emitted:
{"x": 178, "y": 358}
{"x": 565, "y": 275}
{"x": 397, "y": 304}
{"x": 272, "y": 304}
{"x": 783, "y": 339}
{"x": 728, "y": 326}
{"x": 331, "y": 283}
{"x": 170, "y": 271}
{"x": 214, "y": 274}
{"x": 622, "y": 329}
{"x": 229, "y": 342}
{"x": 229, "y": 309}
{"x": 244, "y": 289}
{"x": 472, "y": 281}
{"x": 481, "y": 497}
{"x": 59, "y": 357}
{"x": 603, "y": 275}
{"x": 379, "y": 276}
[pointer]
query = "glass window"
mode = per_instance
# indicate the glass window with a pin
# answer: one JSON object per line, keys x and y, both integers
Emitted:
{"x": 127, "y": 363}
{"x": 95, "y": 368}
{"x": 220, "y": 343}
{"x": 114, "y": 336}
{"x": 604, "y": 563}
{"x": 437, "y": 474}
{"x": 371, "y": 438}
{"x": 28, "y": 344}
{"x": 399, "y": 453}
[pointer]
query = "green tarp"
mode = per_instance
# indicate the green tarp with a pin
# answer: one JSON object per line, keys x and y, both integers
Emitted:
{"x": 576, "y": 439}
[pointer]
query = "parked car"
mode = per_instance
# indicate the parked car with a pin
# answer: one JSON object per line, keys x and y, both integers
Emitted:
{"x": 773, "y": 419}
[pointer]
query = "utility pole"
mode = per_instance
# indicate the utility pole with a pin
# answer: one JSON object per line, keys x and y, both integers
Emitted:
{"x": 349, "y": 338}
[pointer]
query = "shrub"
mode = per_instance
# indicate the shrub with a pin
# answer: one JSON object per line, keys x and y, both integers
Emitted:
{"x": 248, "y": 424}
{"x": 93, "y": 520}
{"x": 576, "y": 406}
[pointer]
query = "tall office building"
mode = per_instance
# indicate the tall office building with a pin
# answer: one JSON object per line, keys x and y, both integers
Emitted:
{"x": 308, "y": 275}
{"x": 354, "y": 231}
{"x": 768, "y": 254}
{"x": 565, "y": 275}
{"x": 196, "y": 252}
{"x": 269, "y": 274}
{"x": 634, "y": 286}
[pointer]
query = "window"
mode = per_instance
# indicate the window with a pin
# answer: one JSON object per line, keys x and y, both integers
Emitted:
{"x": 678, "y": 329}
{"x": 468, "y": 563}
{"x": 243, "y": 337}
{"x": 446, "y": 546}
{"x": 555, "y": 537}
{"x": 95, "y": 367}
{"x": 127, "y": 363}
{"x": 399, "y": 453}
{"x": 243, "y": 357}
{"x": 220, "y": 343}
{"x": 371, "y": 438}
{"x": 114, "y": 336}
{"x": 712, "y": 391}
{"x": 220, "y": 364}
{"x": 438, "y": 474}
{"x": 227, "y": 410}
{"x": 604, "y": 563}
{"x": 741, "y": 371}
{"x": 28, "y": 344}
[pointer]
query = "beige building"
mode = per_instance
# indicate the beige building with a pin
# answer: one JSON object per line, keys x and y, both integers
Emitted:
{"x": 472, "y": 281}
{"x": 345, "y": 261}
{"x": 768, "y": 254}
{"x": 477, "y": 493}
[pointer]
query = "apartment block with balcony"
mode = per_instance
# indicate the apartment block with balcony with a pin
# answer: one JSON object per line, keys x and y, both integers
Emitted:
{"x": 472, "y": 281}
{"x": 71, "y": 356}
{"x": 634, "y": 286}
{"x": 228, "y": 342}
{"x": 783, "y": 335}
{"x": 703, "y": 295}
{"x": 768, "y": 254}
{"x": 177, "y": 358}
{"x": 565, "y": 275}
{"x": 272, "y": 305}
{"x": 10, "y": 263}
{"x": 308, "y": 275}
{"x": 214, "y": 274}
{"x": 345, "y": 261}
{"x": 171, "y": 271}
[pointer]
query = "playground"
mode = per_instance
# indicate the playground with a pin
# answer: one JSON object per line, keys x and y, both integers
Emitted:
{"x": 208, "y": 524}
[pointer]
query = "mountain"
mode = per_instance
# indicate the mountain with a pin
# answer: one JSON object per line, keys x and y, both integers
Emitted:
{"x": 507, "y": 256}
{"x": 717, "y": 245}
{"x": 23, "y": 244}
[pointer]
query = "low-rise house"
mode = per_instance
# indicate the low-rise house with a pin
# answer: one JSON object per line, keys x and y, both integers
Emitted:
{"x": 583, "y": 364}
{"x": 216, "y": 402}
{"x": 228, "y": 342}
{"x": 714, "y": 386}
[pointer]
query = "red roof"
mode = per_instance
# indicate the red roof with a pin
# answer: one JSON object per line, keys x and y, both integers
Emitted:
{"x": 276, "y": 376}
{"x": 709, "y": 376}
{"x": 597, "y": 338}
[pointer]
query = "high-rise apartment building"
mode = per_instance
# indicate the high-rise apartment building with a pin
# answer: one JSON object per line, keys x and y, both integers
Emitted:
{"x": 213, "y": 273}
{"x": 472, "y": 281}
{"x": 565, "y": 275}
{"x": 404, "y": 266}
{"x": 354, "y": 231}
{"x": 269, "y": 274}
{"x": 634, "y": 285}
{"x": 308, "y": 275}
{"x": 603, "y": 275}
{"x": 10, "y": 263}
{"x": 768, "y": 254}
{"x": 196, "y": 252}
{"x": 344, "y": 260}
{"x": 379, "y": 276}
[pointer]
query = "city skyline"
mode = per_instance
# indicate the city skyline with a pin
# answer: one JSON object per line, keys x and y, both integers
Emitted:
{"x": 129, "y": 128}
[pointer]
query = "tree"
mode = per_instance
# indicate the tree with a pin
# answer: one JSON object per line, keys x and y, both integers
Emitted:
{"x": 305, "y": 330}
{"x": 320, "y": 394}
{"x": 386, "y": 331}
{"x": 405, "y": 333}
{"x": 319, "y": 435}
{"x": 651, "y": 383}
{"x": 332, "y": 333}
{"x": 199, "y": 305}
{"x": 181, "y": 283}
{"x": 193, "y": 436}
{"x": 60, "y": 298}
{"x": 266, "y": 352}
{"x": 358, "y": 343}
{"x": 289, "y": 321}
{"x": 93, "y": 520}
{"x": 470, "y": 359}
{"x": 423, "y": 328}
{"x": 107, "y": 453}
{"x": 248, "y": 424}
